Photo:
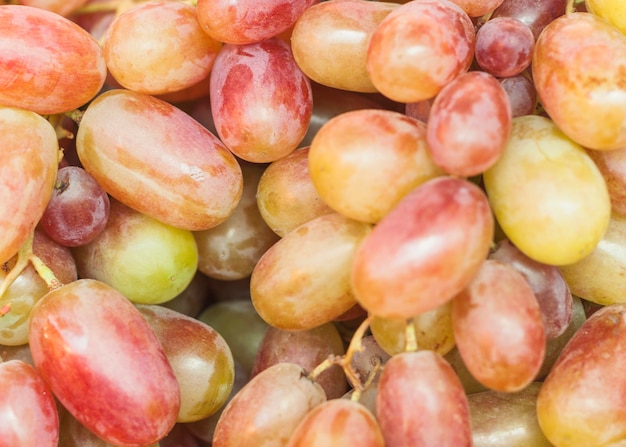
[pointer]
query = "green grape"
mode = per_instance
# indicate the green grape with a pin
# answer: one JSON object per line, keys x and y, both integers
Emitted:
{"x": 148, "y": 261}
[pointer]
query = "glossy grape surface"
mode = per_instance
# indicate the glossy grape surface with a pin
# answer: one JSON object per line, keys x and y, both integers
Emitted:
{"x": 87, "y": 339}
{"x": 158, "y": 160}
{"x": 48, "y": 64}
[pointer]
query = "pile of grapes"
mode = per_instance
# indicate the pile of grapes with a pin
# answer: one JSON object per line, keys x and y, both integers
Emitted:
{"x": 305, "y": 223}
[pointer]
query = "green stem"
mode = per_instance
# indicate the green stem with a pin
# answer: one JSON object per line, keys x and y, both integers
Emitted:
{"x": 409, "y": 333}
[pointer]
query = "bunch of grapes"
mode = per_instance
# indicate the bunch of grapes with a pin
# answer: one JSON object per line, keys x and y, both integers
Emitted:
{"x": 303, "y": 223}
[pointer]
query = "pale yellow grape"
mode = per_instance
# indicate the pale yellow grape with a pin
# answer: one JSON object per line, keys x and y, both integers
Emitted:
{"x": 612, "y": 10}
{"x": 548, "y": 196}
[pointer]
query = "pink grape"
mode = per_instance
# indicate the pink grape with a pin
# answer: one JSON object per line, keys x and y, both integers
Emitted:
{"x": 242, "y": 22}
{"x": 260, "y": 100}
{"x": 469, "y": 124}
{"x": 28, "y": 167}
{"x": 156, "y": 159}
{"x": 439, "y": 31}
{"x": 498, "y": 328}
{"x": 104, "y": 363}
{"x": 28, "y": 414}
{"x": 425, "y": 251}
{"x": 267, "y": 410}
{"x": 420, "y": 401}
{"x": 48, "y": 64}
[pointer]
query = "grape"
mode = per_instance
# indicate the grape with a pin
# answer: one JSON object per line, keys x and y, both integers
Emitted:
{"x": 242, "y": 22}
{"x": 363, "y": 162}
{"x": 231, "y": 249}
{"x": 156, "y": 159}
{"x": 159, "y": 47}
{"x": 433, "y": 330}
{"x": 286, "y": 197}
{"x": 522, "y": 94}
{"x": 420, "y": 401}
{"x": 62, "y": 7}
{"x": 200, "y": 358}
{"x": 28, "y": 167}
{"x": 308, "y": 349}
{"x": 48, "y": 64}
{"x": 547, "y": 194}
{"x": 78, "y": 209}
{"x": 240, "y": 325}
{"x": 599, "y": 276}
{"x": 535, "y": 14}
{"x": 341, "y": 32}
{"x": 425, "y": 251}
{"x": 614, "y": 11}
{"x": 104, "y": 363}
{"x": 418, "y": 48}
{"x": 29, "y": 287}
{"x": 303, "y": 280}
{"x": 148, "y": 261}
{"x": 498, "y": 328}
{"x": 469, "y": 124}
{"x": 337, "y": 423}
{"x": 28, "y": 415}
{"x": 266, "y": 411}
{"x": 555, "y": 346}
{"x": 506, "y": 419}
{"x": 194, "y": 298}
{"x": 477, "y": 8}
{"x": 612, "y": 166}
{"x": 419, "y": 110}
{"x": 578, "y": 68}
{"x": 180, "y": 436}
{"x": 261, "y": 101}
{"x": 581, "y": 400}
{"x": 369, "y": 359}
{"x": 329, "y": 102}
{"x": 547, "y": 283}
{"x": 504, "y": 46}
{"x": 204, "y": 429}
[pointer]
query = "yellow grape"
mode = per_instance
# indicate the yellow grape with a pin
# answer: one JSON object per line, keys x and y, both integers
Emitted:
{"x": 547, "y": 194}
{"x": 180, "y": 53}
{"x": 364, "y": 162}
{"x": 28, "y": 168}
{"x": 582, "y": 400}
{"x": 578, "y": 69}
{"x": 433, "y": 330}
{"x": 303, "y": 280}
{"x": 341, "y": 31}
{"x": 612, "y": 10}
{"x": 599, "y": 277}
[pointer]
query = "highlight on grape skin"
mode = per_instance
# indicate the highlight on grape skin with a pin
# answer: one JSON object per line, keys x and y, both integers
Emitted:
{"x": 281, "y": 223}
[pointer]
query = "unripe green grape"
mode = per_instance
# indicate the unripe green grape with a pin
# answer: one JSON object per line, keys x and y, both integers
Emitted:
{"x": 148, "y": 261}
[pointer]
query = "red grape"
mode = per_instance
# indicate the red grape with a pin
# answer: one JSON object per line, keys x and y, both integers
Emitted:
{"x": 498, "y": 328}
{"x": 469, "y": 124}
{"x": 425, "y": 251}
{"x": 260, "y": 100}
{"x": 28, "y": 414}
{"x": 78, "y": 209}
{"x": 104, "y": 363}
{"x": 420, "y": 401}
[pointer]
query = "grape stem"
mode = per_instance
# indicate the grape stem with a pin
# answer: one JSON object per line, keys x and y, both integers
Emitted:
{"x": 409, "y": 334}
{"x": 345, "y": 361}
{"x": 25, "y": 256}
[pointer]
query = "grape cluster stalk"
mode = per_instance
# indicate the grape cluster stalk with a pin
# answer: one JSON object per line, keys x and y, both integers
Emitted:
{"x": 312, "y": 223}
